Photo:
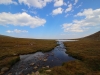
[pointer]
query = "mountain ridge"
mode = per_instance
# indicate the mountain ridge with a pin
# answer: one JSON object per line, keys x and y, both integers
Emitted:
{"x": 94, "y": 36}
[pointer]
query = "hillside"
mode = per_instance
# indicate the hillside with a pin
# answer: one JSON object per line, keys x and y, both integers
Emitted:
{"x": 87, "y": 53}
{"x": 3, "y": 36}
{"x": 95, "y": 36}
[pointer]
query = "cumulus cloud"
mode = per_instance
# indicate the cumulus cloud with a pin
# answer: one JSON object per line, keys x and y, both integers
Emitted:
{"x": 58, "y": 3}
{"x": 17, "y": 31}
{"x": 69, "y": 8}
{"x": 35, "y": 3}
{"x": 21, "y": 19}
{"x": 6, "y": 2}
{"x": 75, "y": 2}
{"x": 92, "y": 18}
{"x": 57, "y": 11}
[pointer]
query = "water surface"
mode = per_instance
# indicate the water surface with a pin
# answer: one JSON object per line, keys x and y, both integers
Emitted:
{"x": 49, "y": 59}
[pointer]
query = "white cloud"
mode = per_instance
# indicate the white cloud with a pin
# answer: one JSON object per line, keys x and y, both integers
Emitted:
{"x": 35, "y": 3}
{"x": 92, "y": 19}
{"x": 69, "y": 8}
{"x": 34, "y": 12}
{"x": 65, "y": 4}
{"x": 24, "y": 10}
{"x": 75, "y": 2}
{"x": 9, "y": 31}
{"x": 57, "y": 11}
{"x": 21, "y": 19}
{"x": 79, "y": 5}
{"x": 6, "y": 2}
{"x": 58, "y": 3}
{"x": 72, "y": 27}
{"x": 67, "y": 15}
{"x": 17, "y": 31}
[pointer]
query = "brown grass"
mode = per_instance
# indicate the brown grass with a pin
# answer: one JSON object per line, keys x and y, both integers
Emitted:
{"x": 87, "y": 54}
{"x": 11, "y": 48}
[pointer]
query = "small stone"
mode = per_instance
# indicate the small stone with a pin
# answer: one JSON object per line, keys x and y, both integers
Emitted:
{"x": 4, "y": 69}
{"x": 35, "y": 67}
{"x": 33, "y": 73}
{"x": 40, "y": 59}
{"x": 52, "y": 54}
{"x": 48, "y": 70}
{"x": 43, "y": 67}
{"x": 47, "y": 66}
{"x": 31, "y": 64}
{"x": 10, "y": 74}
{"x": 22, "y": 66}
{"x": 38, "y": 65}
{"x": 1, "y": 73}
{"x": 37, "y": 73}
{"x": 45, "y": 60}
{"x": 22, "y": 74}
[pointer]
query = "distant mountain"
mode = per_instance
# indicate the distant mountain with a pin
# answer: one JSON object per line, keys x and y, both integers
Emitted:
{"x": 95, "y": 36}
{"x": 4, "y": 36}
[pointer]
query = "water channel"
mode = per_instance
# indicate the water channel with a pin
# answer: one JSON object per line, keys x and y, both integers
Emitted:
{"x": 32, "y": 62}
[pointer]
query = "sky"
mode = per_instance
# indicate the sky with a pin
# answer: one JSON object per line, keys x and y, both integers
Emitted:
{"x": 49, "y": 19}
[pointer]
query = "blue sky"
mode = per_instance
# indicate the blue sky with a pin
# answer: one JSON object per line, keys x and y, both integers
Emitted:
{"x": 49, "y": 19}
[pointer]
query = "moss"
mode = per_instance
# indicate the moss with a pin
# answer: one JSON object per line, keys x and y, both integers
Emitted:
{"x": 13, "y": 61}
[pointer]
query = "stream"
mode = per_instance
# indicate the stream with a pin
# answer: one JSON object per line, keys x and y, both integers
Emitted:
{"x": 33, "y": 62}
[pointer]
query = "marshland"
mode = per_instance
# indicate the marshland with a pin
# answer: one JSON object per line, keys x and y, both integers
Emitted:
{"x": 81, "y": 57}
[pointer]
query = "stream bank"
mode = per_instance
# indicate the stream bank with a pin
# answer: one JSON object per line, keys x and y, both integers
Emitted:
{"x": 33, "y": 62}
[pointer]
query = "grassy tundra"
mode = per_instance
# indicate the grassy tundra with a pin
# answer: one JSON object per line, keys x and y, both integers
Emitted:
{"x": 11, "y": 48}
{"x": 87, "y": 54}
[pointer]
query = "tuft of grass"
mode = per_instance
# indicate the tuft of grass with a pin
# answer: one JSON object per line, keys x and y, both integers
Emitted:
{"x": 13, "y": 61}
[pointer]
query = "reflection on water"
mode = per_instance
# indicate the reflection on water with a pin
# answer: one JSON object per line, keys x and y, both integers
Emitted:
{"x": 33, "y": 62}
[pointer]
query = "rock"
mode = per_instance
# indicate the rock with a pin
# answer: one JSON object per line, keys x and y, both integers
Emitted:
{"x": 38, "y": 65}
{"x": 47, "y": 66}
{"x": 22, "y": 66}
{"x": 40, "y": 59}
{"x": 33, "y": 73}
{"x": 43, "y": 67}
{"x": 1, "y": 73}
{"x": 31, "y": 64}
{"x": 22, "y": 74}
{"x": 48, "y": 70}
{"x": 37, "y": 73}
{"x": 4, "y": 69}
{"x": 52, "y": 54}
{"x": 10, "y": 74}
{"x": 35, "y": 67}
{"x": 14, "y": 54}
{"x": 44, "y": 59}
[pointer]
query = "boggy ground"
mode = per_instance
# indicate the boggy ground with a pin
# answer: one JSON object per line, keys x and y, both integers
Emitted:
{"x": 11, "y": 48}
{"x": 87, "y": 53}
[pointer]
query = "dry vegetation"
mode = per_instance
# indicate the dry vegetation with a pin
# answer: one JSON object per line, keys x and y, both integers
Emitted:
{"x": 11, "y": 48}
{"x": 86, "y": 51}
{"x": 87, "y": 54}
